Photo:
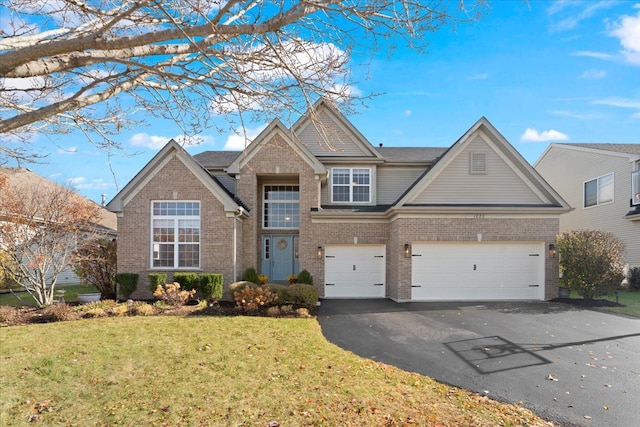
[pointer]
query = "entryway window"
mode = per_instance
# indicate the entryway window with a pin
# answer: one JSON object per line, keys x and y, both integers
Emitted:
{"x": 175, "y": 239}
{"x": 281, "y": 206}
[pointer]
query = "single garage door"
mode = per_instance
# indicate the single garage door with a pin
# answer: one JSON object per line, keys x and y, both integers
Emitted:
{"x": 477, "y": 271}
{"x": 354, "y": 271}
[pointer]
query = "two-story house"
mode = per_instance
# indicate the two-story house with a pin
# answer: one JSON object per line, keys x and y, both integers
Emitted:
{"x": 602, "y": 183}
{"x": 473, "y": 221}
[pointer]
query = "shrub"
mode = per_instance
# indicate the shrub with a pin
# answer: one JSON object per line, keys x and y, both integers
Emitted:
{"x": 303, "y": 312}
{"x": 591, "y": 261}
{"x": 251, "y": 299}
{"x": 263, "y": 278}
{"x": 172, "y": 294}
{"x": 95, "y": 263}
{"x": 273, "y": 311}
{"x": 305, "y": 277}
{"x": 211, "y": 286}
{"x": 292, "y": 279}
{"x": 127, "y": 284}
{"x": 95, "y": 312}
{"x": 58, "y": 313}
{"x": 103, "y": 304}
{"x": 156, "y": 279}
{"x": 282, "y": 292}
{"x": 250, "y": 275}
{"x": 143, "y": 309}
{"x": 286, "y": 309}
{"x": 303, "y": 295}
{"x": 188, "y": 281}
{"x": 239, "y": 286}
{"x": 634, "y": 278}
{"x": 119, "y": 310}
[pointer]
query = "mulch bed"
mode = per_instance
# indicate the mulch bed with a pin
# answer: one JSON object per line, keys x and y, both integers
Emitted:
{"x": 589, "y": 303}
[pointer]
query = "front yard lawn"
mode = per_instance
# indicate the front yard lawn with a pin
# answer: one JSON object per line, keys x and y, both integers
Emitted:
{"x": 218, "y": 371}
{"x": 629, "y": 302}
{"x": 70, "y": 295}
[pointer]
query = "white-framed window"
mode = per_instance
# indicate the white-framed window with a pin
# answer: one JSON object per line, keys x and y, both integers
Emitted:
{"x": 350, "y": 185}
{"x": 477, "y": 162}
{"x": 598, "y": 191}
{"x": 281, "y": 206}
{"x": 635, "y": 186}
{"x": 175, "y": 234}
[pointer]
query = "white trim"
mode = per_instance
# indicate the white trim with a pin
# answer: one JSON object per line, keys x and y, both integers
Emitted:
{"x": 176, "y": 242}
{"x": 351, "y": 185}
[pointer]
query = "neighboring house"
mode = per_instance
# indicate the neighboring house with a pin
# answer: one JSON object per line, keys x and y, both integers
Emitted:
{"x": 602, "y": 183}
{"x": 469, "y": 222}
{"x": 26, "y": 178}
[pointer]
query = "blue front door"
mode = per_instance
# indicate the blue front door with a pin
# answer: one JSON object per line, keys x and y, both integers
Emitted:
{"x": 279, "y": 256}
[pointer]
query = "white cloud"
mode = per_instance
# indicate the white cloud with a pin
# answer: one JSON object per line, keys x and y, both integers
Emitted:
{"x": 627, "y": 30}
{"x": 597, "y": 55}
{"x": 593, "y": 74}
{"x": 480, "y": 76}
{"x": 241, "y": 139}
{"x": 82, "y": 183}
{"x": 532, "y": 135}
{"x": 573, "y": 13}
{"x": 70, "y": 150}
{"x": 616, "y": 101}
{"x": 156, "y": 142}
{"x": 407, "y": 113}
{"x": 575, "y": 115}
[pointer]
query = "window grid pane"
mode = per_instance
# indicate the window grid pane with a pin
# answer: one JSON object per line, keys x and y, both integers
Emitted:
{"x": 351, "y": 185}
{"x": 281, "y": 206}
{"x": 176, "y": 239}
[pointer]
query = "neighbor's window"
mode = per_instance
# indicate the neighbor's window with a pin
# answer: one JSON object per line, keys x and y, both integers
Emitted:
{"x": 175, "y": 234}
{"x": 350, "y": 185}
{"x": 598, "y": 191}
{"x": 281, "y": 206}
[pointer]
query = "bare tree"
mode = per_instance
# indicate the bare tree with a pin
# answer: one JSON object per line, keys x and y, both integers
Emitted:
{"x": 39, "y": 229}
{"x": 93, "y": 64}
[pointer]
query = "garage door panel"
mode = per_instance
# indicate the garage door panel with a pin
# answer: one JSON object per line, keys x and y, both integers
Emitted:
{"x": 355, "y": 271}
{"x": 477, "y": 271}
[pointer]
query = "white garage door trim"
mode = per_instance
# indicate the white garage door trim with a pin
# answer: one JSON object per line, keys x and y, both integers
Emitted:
{"x": 354, "y": 271}
{"x": 459, "y": 271}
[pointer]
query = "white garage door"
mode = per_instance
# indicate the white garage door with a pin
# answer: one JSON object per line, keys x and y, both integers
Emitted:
{"x": 477, "y": 271}
{"x": 354, "y": 271}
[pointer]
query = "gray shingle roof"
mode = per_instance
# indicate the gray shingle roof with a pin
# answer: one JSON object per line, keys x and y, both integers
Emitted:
{"x": 411, "y": 154}
{"x": 619, "y": 148}
{"x": 216, "y": 159}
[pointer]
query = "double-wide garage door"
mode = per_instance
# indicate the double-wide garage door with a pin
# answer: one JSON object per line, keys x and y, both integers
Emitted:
{"x": 354, "y": 271}
{"x": 477, "y": 271}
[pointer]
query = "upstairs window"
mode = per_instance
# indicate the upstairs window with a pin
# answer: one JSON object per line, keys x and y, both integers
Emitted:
{"x": 351, "y": 185}
{"x": 175, "y": 239}
{"x": 635, "y": 186}
{"x": 598, "y": 191}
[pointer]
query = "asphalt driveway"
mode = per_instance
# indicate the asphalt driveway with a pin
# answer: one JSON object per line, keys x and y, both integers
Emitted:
{"x": 568, "y": 365}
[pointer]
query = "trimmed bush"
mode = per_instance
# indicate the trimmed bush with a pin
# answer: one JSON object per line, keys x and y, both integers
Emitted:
{"x": 156, "y": 279}
{"x": 211, "y": 286}
{"x": 58, "y": 313}
{"x": 634, "y": 278}
{"x": 188, "y": 281}
{"x": 251, "y": 275}
{"x": 303, "y": 295}
{"x": 173, "y": 294}
{"x": 251, "y": 299}
{"x": 127, "y": 283}
{"x": 304, "y": 277}
{"x": 280, "y": 290}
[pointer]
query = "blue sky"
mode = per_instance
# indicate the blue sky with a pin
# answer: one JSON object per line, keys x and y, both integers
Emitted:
{"x": 540, "y": 71}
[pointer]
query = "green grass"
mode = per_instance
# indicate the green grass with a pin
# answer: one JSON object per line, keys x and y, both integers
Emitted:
{"x": 217, "y": 371}
{"x": 70, "y": 295}
{"x": 630, "y": 300}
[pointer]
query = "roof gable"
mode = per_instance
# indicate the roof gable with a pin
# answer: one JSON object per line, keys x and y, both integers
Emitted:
{"x": 627, "y": 151}
{"x": 261, "y": 141}
{"x": 508, "y": 181}
{"x": 170, "y": 151}
{"x": 326, "y": 132}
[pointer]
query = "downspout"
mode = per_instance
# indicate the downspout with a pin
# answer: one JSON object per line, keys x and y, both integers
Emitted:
{"x": 237, "y": 215}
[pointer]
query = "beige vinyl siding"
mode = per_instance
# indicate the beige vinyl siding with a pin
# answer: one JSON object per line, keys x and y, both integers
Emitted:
{"x": 393, "y": 181}
{"x": 328, "y": 138}
{"x": 456, "y": 185}
{"x": 567, "y": 170}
